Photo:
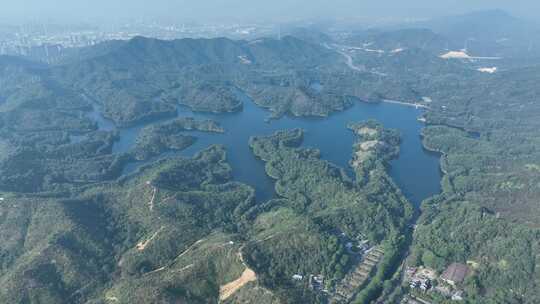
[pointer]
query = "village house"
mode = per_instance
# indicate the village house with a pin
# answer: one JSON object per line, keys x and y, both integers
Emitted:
{"x": 458, "y": 296}
{"x": 455, "y": 274}
{"x": 425, "y": 285}
{"x": 298, "y": 277}
{"x": 316, "y": 282}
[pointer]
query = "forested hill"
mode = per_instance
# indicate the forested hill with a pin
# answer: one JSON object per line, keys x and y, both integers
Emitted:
{"x": 489, "y": 33}
{"x": 75, "y": 229}
{"x": 172, "y": 72}
{"x": 175, "y": 54}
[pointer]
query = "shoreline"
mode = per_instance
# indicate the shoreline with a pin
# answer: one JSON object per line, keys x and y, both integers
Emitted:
{"x": 408, "y": 104}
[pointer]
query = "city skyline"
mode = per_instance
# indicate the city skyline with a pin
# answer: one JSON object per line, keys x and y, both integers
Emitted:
{"x": 64, "y": 11}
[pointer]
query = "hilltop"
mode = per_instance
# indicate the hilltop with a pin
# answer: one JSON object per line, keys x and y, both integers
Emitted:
{"x": 76, "y": 229}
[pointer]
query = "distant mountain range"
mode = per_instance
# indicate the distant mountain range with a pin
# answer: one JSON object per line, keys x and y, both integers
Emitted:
{"x": 482, "y": 25}
{"x": 76, "y": 228}
{"x": 482, "y": 33}
{"x": 488, "y": 33}
{"x": 183, "y": 52}
{"x": 397, "y": 40}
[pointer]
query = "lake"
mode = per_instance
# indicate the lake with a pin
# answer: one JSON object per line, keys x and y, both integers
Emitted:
{"x": 416, "y": 171}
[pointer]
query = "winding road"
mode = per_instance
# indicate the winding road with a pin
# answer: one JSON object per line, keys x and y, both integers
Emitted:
{"x": 350, "y": 63}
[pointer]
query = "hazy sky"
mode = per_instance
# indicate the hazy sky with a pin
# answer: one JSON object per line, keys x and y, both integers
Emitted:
{"x": 220, "y": 10}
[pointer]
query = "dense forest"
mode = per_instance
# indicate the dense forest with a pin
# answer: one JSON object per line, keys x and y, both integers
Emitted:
{"x": 156, "y": 139}
{"x": 75, "y": 229}
{"x": 181, "y": 228}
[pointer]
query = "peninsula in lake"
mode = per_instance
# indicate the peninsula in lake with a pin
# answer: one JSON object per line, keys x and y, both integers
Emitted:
{"x": 314, "y": 163}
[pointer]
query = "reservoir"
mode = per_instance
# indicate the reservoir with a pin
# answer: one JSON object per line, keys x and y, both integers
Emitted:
{"x": 416, "y": 170}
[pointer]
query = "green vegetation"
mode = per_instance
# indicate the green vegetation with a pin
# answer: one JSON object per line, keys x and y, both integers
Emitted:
{"x": 49, "y": 162}
{"x": 73, "y": 231}
{"x": 297, "y": 99}
{"x": 158, "y": 138}
{"x": 386, "y": 268}
{"x": 488, "y": 210}
{"x": 180, "y": 229}
{"x": 112, "y": 240}
{"x": 207, "y": 97}
{"x": 374, "y": 148}
{"x": 504, "y": 254}
{"x": 37, "y": 117}
{"x": 486, "y": 126}
{"x": 319, "y": 202}
{"x": 146, "y": 78}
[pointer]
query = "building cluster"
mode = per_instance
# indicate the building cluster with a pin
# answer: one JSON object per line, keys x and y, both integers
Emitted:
{"x": 423, "y": 281}
{"x": 44, "y": 41}
{"x": 297, "y": 277}
{"x": 27, "y": 39}
{"x": 365, "y": 258}
{"x": 347, "y": 288}
{"x": 358, "y": 245}
{"x": 420, "y": 278}
{"x": 316, "y": 282}
{"x": 422, "y": 284}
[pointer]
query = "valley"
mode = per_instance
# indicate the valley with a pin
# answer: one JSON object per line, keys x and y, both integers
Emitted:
{"x": 290, "y": 170}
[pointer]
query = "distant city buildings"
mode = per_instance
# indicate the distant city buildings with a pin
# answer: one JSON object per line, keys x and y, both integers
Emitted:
{"x": 48, "y": 43}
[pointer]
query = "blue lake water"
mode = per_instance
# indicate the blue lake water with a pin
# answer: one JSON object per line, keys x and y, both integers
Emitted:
{"x": 416, "y": 171}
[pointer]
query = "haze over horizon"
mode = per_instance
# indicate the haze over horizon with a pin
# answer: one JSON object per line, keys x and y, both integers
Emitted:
{"x": 70, "y": 11}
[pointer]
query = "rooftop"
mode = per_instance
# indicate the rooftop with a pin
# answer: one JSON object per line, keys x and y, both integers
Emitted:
{"x": 455, "y": 273}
